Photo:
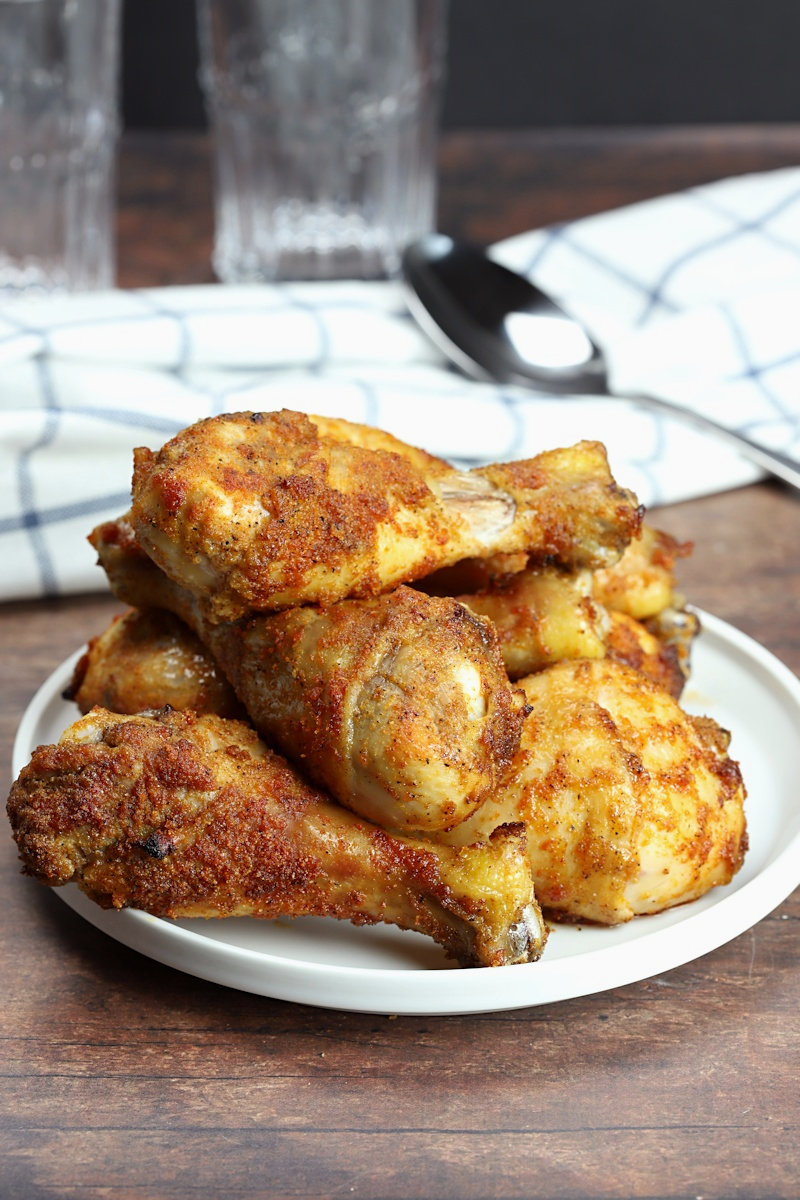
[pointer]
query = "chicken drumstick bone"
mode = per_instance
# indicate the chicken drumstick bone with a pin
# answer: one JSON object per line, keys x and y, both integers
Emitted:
{"x": 398, "y": 705}
{"x": 264, "y": 511}
{"x": 182, "y": 816}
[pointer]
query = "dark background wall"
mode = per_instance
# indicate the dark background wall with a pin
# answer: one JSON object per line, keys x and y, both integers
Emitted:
{"x": 540, "y": 62}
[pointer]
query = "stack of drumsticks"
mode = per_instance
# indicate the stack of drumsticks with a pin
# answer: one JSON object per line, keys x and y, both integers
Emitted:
{"x": 355, "y": 681}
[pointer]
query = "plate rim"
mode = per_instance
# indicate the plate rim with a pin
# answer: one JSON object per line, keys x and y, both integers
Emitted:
{"x": 406, "y": 991}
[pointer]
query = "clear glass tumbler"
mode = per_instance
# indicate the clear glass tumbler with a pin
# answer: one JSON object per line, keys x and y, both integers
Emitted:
{"x": 324, "y": 116}
{"x": 58, "y": 131}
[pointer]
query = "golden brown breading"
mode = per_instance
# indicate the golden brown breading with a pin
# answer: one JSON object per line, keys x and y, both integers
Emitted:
{"x": 264, "y": 511}
{"x": 398, "y": 705}
{"x": 542, "y": 615}
{"x": 630, "y": 805}
{"x": 146, "y": 659}
{"x": 634, "y": 644}
{"x": 642, "y": 582}
{"x": 185, "y": 816}
{"x": 546, "y": 613}
{"x": 675, "y": 629}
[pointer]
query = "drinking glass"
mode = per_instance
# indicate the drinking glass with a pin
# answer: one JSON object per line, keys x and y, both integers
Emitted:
{"x": 324, "y": 116}
{"x": 58, "y": 130}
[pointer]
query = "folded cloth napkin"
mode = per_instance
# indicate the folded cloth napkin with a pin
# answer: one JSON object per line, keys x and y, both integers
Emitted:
{"x": 694, "y": 296}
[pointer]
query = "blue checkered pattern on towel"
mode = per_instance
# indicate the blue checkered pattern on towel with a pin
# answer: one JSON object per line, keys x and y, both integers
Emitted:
{"x": 694, "y": 296}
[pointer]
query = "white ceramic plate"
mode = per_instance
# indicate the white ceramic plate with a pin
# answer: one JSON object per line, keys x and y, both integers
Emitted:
{"x": 383, "y": 970}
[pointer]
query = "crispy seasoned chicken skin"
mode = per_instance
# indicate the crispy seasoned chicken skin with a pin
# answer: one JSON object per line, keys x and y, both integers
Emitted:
{"x": 642, "y": 582}
{"x": 185, "y": 816}
{"x": 542, "y": 615}
{"x": 264, "y": 511}
{"x": 661, "y": 659}
{"x": 630, "y": 805}
{"x": 547, "y": 615}
{"x": 146, "y": 659}
{"x": 641, "y": 587}
{"x": 398, "y": 705}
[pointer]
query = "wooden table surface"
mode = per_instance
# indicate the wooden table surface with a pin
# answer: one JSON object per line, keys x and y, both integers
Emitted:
{"x": 122, "y": 1078}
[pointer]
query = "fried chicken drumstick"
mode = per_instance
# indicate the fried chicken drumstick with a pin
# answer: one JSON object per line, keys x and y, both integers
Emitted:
{"x": 185, "y": 816}
{"x": 397, "y": 705}
{"x": 545, "y": 612}
{"x": 543, "y": 615}
{"x": 148, "y": 658}
{"x": 267, "y": 557}
{"x": 631, "y": 806}
{"x": 264, "y": 511}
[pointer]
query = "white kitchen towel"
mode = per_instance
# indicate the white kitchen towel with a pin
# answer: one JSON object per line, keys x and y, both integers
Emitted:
{"x": 695, "y": 296}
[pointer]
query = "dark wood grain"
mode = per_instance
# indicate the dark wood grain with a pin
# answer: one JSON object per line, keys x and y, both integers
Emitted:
{"x": 492, "y": 185}
{"x": 495, "y": 185}
{"x": 122, "y": 1078}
